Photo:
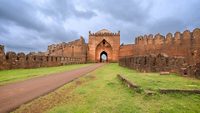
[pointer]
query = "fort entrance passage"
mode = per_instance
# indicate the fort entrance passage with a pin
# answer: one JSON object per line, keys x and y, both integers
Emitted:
{"x": 103, "y": 57}
{"x": 103, "y": 48}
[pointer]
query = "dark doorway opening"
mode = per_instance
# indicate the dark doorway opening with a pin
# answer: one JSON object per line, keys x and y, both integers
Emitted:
{"x": 103, "y": 57}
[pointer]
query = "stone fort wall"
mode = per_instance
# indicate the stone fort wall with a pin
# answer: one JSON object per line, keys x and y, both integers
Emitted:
{"x": 76, "y": 48}
{"x": 126, "y": 50}
{"x": 12, "y": 60}
{"x": 180, "y": 53}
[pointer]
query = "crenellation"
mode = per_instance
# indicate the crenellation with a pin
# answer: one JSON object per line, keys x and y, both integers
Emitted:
{"x": 150, "y": 39}
{"x": 145, "y": 39}
{"x": 33, "y": 60}
{"x": 149, "y": 53}
{"x": 21, "y": 60}
{"x": 177, "y": 38}
{"x": 179, "y": 45}
{"x": 170, "y": 53}
{"x": 136, "y": 40}
{"x": 2, "y": 53}
{"x": 103, "y": 33}
{"x": 158, "y": 39}
{"x": 11, "y": 59}
{"x": 196, "y": 37}
{"x": 140, "y": 40}
{"x": 186, "y": 38}
{"x": 169, "y": 39}
{"x": 2, "y": 57}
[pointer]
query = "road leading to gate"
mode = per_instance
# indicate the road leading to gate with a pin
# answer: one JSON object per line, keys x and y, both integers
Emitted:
{"x": 13, "y": 95}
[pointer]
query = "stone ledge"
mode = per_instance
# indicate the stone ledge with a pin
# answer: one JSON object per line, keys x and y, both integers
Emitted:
{"x": 162, "y": 91}
{"x": 165, "y": 91}
{"x": 127, "y": 82}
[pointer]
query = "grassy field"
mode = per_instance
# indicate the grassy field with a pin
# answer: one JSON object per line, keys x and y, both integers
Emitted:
{"x": 101, "y": 92}
{"x": 10, "y": 76}
{"x": 154, "y": 81}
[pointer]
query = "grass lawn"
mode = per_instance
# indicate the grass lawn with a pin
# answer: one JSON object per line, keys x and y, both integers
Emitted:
{"x": 101, "y": 92}
{"x": 10, "y": 76}
{"x": 154, "y": 81}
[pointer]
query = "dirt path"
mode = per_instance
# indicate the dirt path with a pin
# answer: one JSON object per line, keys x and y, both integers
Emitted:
{"x": 13, "y": 95}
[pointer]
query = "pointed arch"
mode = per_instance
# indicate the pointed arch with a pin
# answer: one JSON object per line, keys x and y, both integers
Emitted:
{"x": 103, "y": 47}
{"x": 103, "y": 53}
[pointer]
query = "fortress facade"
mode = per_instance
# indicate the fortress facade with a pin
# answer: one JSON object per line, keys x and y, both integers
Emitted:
{"x": 179, "y": 53}
{"x": 102, "y": 42}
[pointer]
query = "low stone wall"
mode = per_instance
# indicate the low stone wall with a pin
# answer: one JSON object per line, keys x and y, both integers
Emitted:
{"x": 160, "y": 62}
{"x": 127, "y": 82}
{"x": 11, "y": 60}
{"x": 165, "y": 91}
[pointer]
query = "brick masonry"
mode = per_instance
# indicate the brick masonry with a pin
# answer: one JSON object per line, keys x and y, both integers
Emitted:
{"x": 178, "y": 53}
{"x": 11, "y": 60}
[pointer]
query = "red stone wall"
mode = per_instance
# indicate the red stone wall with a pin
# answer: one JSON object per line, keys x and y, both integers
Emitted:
{"x": 77, "y": 48}
{"x": 180, "y": 45}
{"x": 126, "y": 50}
{"x": 183, "y": 47}
{"x": 11, "y": 60}
{"x": 184, "y": 44}
{"x": 2, "y": 57}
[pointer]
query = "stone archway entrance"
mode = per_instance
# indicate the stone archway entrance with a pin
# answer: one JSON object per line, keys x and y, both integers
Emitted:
{"x": 103, "y": 49}
{"x": 103, "y": 40}
{"x": 103, "y": 57}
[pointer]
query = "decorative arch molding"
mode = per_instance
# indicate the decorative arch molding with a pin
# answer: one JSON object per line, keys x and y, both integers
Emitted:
{"x": 105, "y": 46}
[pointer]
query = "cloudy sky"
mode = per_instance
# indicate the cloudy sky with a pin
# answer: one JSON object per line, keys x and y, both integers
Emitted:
{"x": 31, "y": 25}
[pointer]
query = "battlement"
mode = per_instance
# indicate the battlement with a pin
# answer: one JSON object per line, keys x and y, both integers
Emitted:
{"x": 60, "y": 46}
{"x": 185, "y": 44}
{"x": 178, "y": 38}
{"x": 2, "y": 50}
{"x": 12, "y": 60}
{"x": 1, "y": 47}
{"x": 104, "y": 32}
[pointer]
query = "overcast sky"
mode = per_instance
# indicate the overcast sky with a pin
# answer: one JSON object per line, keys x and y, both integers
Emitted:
{"x": 31, "y": 25}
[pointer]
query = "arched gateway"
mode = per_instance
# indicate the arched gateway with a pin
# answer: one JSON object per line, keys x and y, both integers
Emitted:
{"x": 103, "y": 48}
{"x": 104, "y": 43}
{"x": 103, "y": 57}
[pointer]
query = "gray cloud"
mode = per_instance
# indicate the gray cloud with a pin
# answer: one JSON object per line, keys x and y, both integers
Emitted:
{"x": 20, "y": 13}
{"x": 27, "y": 26}
{"x": 64, "y": 9}
{"x": 166, "y": 25}
{"x": 133, "y": 11}
{"x": 32, "y": 25}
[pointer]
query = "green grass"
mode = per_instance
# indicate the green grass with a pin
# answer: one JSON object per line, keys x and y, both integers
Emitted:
{"x": 101, "y": 92}
{"x": 10, "y": 76}
{"x": 154, "y": 81}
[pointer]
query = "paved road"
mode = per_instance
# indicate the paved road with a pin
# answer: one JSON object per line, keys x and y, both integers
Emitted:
{"x": 13, "y": 95}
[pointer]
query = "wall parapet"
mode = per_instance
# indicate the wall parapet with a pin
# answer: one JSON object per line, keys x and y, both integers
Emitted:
{"x": 177, "y": 37}
{"x": 11, "y": 60}
{"x": 186, "y": 44}
{"x": 159, "y": 63}
{"x": 104, "y": 34}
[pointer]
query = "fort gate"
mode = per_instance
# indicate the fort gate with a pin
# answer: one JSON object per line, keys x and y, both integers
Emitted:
{"x": 179, "y": 53}
{"x": 103, "y": 44}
